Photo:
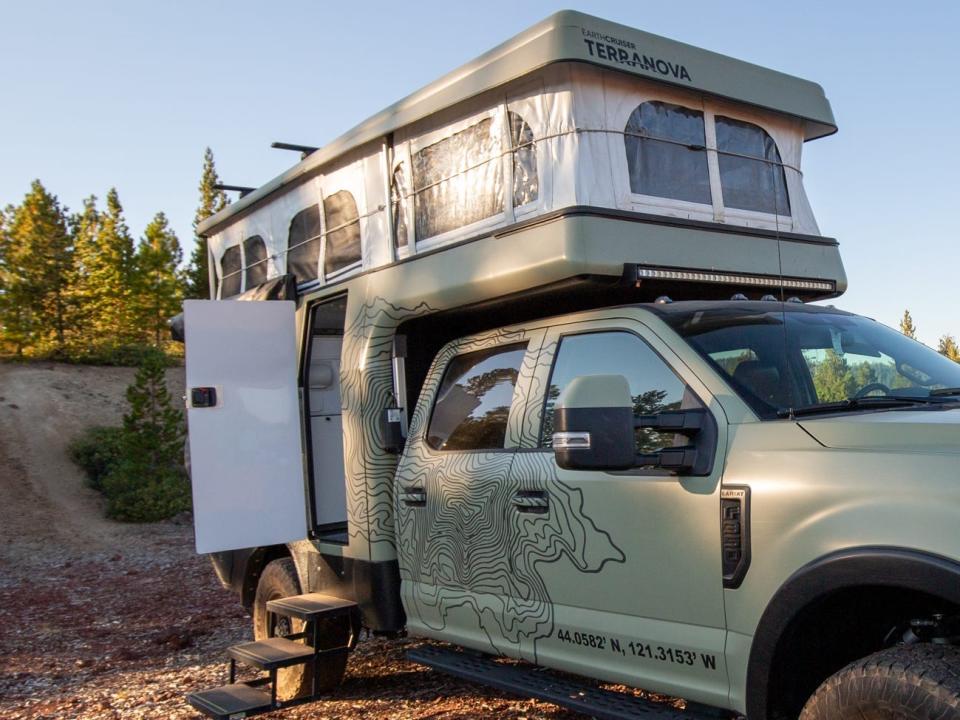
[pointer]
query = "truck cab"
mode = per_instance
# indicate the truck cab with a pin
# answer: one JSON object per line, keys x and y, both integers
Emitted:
{"x": 529, "y": 363}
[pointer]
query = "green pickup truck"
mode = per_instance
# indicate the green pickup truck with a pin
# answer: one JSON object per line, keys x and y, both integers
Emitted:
{"x": 535, "y": 363}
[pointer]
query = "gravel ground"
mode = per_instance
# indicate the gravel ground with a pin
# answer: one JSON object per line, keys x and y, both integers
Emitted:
{"x": 128, "y": 635}
{"x": 106, "y": 620}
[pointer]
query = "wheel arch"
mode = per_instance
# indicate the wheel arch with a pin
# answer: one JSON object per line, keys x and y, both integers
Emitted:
{"x": 258, "y": 559}
{"x": 893, "y": 569}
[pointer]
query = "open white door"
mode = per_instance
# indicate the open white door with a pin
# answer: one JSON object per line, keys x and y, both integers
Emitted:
{"x": 244, "y": 420}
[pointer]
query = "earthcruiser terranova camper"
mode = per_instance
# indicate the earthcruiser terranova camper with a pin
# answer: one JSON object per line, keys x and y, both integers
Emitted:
{"x": 530, "y": 369}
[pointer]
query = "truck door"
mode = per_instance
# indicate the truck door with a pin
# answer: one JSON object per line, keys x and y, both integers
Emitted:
{"x": 243, "y": 416}
{"x": 647, "y": 609}
{"x": 453, "y": 495}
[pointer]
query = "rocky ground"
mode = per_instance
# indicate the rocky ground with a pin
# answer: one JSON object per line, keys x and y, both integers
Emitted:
{"x": 105, "y": 620}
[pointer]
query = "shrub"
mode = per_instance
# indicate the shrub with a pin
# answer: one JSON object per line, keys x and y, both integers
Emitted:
{"x": 97, "y": 451}
{"x": 136, "y": 493}
{"x": 139, "y": 467}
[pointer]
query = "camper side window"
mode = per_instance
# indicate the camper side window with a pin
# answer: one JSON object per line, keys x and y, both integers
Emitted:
{"x": 232, "y": 267}
{"x": 526, "y": 183}
{"x": 458, "y": 180}
{"x": 666, "y": 152}
{"x": 398, "y": 199}
{"x": 255, "y": 261}
{"x": 751, "y": 172}
{"x": 472, "y": 406}
{"x": 343, "y": 232}
{"x": 303, "y": 244}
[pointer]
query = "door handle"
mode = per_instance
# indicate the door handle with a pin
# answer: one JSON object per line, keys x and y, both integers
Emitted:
{"x": 531, "y": 501}
{"x": 414, "y": 496}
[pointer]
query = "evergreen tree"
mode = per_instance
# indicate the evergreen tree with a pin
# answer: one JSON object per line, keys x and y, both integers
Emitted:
{"x": 37, "y": 264}
{"x": 948, "y": 347}
{"x": 159, "y": 290}
{"x": 4, "y": 312}
{"x": 906, "y": 325}
{"x": 147, "y": 481}
{"x": 211, "y": 201}
{"x": 105, "y": 275}
{"x": 84, "y": 227}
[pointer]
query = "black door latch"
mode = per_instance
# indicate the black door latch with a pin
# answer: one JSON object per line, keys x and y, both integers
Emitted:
{"x": 203, "y": 397}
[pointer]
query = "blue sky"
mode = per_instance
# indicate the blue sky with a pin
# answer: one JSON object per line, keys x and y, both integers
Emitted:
{"x": 128, "y": 94}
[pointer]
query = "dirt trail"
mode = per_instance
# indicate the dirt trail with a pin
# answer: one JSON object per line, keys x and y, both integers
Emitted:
{"x": 45, "y": 506}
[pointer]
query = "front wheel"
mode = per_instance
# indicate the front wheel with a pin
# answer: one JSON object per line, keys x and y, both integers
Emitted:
{"x": 279, "y": 580}
{"x": 907, "y": 682}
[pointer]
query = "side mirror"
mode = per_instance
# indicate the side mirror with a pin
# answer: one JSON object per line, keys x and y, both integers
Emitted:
{"x": 595, "y": 430}
{"x": 593, "y": 422}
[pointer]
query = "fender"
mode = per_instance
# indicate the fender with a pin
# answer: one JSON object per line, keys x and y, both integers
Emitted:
{"x": 854, "y": 567}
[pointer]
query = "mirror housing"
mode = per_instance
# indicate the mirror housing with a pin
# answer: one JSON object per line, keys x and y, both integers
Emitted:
{"x": 595, "y": 429}
{"x": 593, "y": 423}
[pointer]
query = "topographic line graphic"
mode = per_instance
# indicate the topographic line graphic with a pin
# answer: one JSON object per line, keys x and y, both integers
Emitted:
{"x": 468, "y": 550}
{"x": 366, "y": 390}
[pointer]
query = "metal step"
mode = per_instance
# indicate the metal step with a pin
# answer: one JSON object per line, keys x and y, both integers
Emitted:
{"x": 272, "y": 653}
{"x": 231, "y": 702}
{"x": 310, "y": 606}
{"x": 530, "y": 681}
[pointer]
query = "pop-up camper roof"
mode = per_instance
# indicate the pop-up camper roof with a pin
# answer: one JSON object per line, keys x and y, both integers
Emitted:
{"x": 574, "y": 114}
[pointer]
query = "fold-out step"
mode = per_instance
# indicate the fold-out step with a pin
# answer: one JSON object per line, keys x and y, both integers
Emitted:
{"x": 529, "y": 681}
{"x": 272, "y": 653}
{"x": 310, "y": 606}
{"x": 231, "y": 702}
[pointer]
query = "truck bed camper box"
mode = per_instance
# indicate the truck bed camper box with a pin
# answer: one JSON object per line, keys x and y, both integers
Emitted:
{"x": 581, "y": 164}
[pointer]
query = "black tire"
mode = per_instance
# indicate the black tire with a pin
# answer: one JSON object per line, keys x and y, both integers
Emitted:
{"x": 908, "y": 682}
{"x": 278, "y": 580}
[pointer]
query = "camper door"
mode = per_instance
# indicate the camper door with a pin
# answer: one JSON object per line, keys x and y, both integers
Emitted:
{"x": 243, "y": 416}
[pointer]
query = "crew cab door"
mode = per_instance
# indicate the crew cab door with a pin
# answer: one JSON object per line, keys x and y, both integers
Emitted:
{"x": 244, "y": 424}
{"x": 639, "y": 596}
{"x": 455, "y": 499}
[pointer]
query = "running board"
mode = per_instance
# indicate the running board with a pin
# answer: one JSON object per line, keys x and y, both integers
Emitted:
{"x": 530, "y": 681}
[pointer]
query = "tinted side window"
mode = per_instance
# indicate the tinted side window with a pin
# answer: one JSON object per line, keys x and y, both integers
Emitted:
{"x": 653, "y": 385}
{"x": 751, "y": 174}
{"x": 255, "y": 257}
{"x": 303, "y": 244}
{"x": 231, "y": 264}
{"x": 666, "y": 152}
{"x": 473, "y": 402}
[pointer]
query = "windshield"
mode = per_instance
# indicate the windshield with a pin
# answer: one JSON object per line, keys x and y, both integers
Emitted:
{"x": 781, "y": 359}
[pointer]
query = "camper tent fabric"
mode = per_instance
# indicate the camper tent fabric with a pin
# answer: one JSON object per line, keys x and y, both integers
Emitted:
{"x": 567, "y": 135}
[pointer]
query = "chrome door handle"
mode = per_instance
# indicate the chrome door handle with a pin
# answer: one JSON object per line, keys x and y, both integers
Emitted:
{"x": 414, "y": 496}
{"x": 531, "y": 501}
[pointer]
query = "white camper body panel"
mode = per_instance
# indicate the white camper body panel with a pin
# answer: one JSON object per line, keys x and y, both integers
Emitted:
{"x": 245, "y": 450}
{"x": 576, "y": 116}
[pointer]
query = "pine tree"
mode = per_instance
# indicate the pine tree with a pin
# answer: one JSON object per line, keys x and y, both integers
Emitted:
{"x": 158, "y": 294}
{"x": 948, "y": 347}
{"x": 211, "y": 201}
{"x": 105, "y": 275}
{"x": 37, "y": 265}
{"x": 907, "y": 327}
{"x": 148, "y": 481}
{"x": 84, "y": 228}
{"x": 154, "y": 427}
{"x": 6, "y": 213}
